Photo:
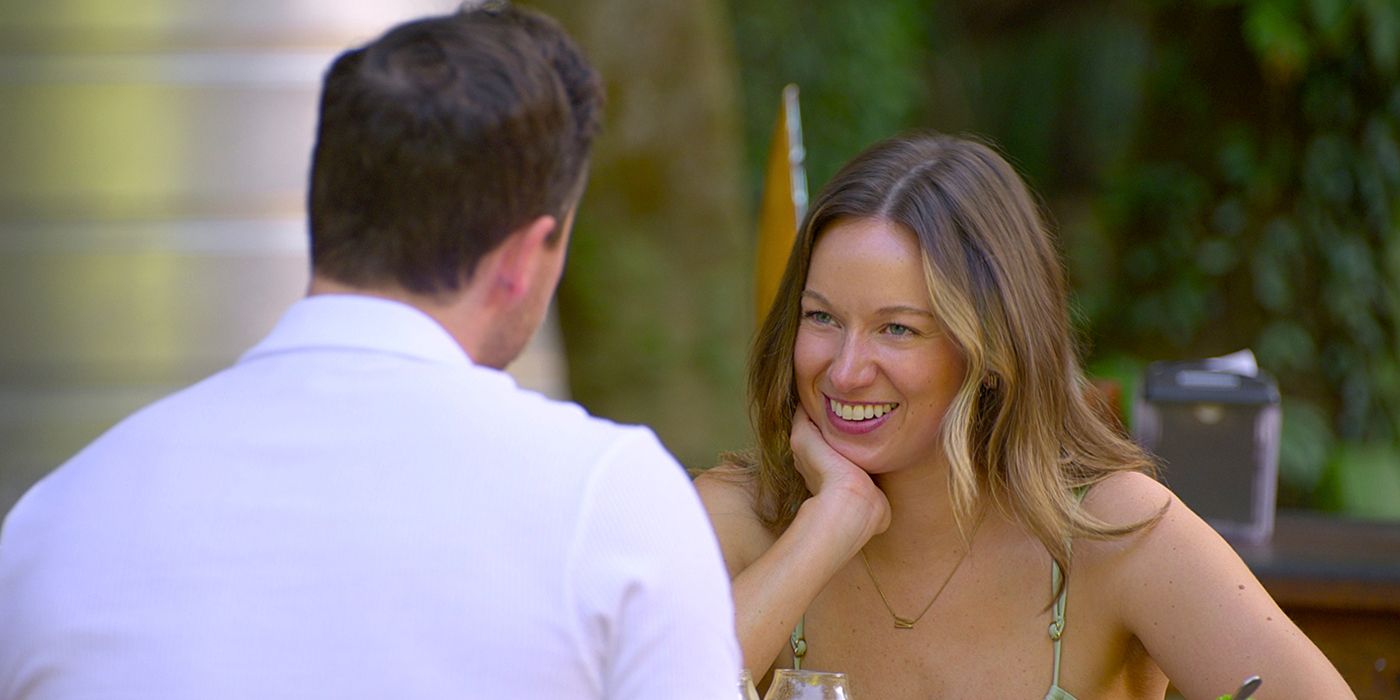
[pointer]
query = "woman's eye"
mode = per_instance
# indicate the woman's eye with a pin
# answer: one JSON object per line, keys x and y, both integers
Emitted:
{"x": 821, "y": 317}
{"x": 899, "y": 329}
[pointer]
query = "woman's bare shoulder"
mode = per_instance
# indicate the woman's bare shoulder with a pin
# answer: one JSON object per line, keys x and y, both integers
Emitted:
{"x": 1126, "y": 498}
{"x": 1151, "y": 512}
{"x": 729, "y": 492}
{"x": 727, "y": 484}
{"x": 1171, "y": 539}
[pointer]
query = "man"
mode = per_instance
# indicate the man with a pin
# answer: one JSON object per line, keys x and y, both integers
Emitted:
{"x": 365, "y": 506}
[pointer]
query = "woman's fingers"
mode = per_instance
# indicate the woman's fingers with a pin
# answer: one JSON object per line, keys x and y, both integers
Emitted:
{"x": 814, "y": 458}
{"x": 827, "y": 471}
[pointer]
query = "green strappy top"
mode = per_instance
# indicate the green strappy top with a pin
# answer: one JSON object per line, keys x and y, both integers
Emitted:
{"x": 1057, "y": 629}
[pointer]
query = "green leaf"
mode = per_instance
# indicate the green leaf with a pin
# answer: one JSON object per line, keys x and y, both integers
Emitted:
{"x": 1383, "y": 21}
{"x": 1271, "y": 284}
{"x": 1328, "y": 102}
{"x": 1380, "y": 144}
{"x": 1127, "y": 370}
{"x": 1229, "y": 217}
{"x": 1285, "y": 346}
{"x": 1364, "y": 481}
{"x": 1327, "y": 169}
{"x": 1237, "y": 158}
{"x": 1277, "y": 36}
{"x": 1305, "y": 443}
{"x": 1271, "y": 266}
{"x": 1330, "y": 17}
{"x": 1216, "y": 256}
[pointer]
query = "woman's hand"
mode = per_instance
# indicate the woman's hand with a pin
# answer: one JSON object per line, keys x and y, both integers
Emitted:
{"x": 775, "y": 577}
{"x": 839, "y": 487}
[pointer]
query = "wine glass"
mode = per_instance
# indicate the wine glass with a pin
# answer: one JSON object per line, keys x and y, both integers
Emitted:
{"x": 746, "y": 688}
{"x": 808, "y": 685}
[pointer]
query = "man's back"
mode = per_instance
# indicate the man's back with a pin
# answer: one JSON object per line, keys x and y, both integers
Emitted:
{"x": 357, "y": 510}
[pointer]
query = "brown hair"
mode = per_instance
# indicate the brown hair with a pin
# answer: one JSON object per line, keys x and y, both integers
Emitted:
{"x": 1019, "y": 430}
{"x": 439, "y": 138}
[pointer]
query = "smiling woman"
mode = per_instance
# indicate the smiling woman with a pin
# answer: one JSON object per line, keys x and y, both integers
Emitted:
{"x": 931, "y": 495}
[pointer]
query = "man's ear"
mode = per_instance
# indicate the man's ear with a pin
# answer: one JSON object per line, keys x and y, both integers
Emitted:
{"x": 521, "y": 254}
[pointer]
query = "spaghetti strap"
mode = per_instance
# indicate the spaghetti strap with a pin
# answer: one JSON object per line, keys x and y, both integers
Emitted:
{"x": 1059, "y": 582}
{"x": 799, "y": 643}
{"x": 1057, "y": 622}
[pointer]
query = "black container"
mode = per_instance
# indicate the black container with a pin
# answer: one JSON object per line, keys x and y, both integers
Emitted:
{"x": 1216, "y": 435}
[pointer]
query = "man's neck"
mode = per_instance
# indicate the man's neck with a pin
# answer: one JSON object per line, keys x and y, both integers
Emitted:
{"x": 448, "y": 310}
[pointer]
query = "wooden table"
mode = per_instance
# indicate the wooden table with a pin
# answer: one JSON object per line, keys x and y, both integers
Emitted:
{"x": 1339, "y": 580}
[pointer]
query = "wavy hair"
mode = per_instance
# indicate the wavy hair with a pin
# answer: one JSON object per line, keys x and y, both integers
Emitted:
{"x": 1020, "y": 431}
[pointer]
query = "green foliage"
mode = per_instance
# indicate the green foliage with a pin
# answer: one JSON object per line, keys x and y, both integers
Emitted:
{"x": 1125, "y": 371}
{"x": 1269, "y": 219}
{"x": 1223, "y": 173}
{"x": 654, "y": 303}
{"x": 1362, "y": 480}
{"x": 1307, "y": 443}
{"x": 856, "y": 64}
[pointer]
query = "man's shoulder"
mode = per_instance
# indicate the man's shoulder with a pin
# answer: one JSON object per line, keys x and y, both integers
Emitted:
{"x": 562, "y": 418}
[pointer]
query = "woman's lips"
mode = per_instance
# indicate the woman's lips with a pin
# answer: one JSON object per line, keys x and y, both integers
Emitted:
{"x": 855, "y": 427}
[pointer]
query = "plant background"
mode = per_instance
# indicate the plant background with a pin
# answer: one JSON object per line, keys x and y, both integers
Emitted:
{"x": 1222, "y": 174}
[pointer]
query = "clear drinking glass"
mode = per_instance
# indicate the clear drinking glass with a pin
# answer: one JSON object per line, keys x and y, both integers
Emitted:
{"x": 808, "y": 685}
{"x": 746, "y": 689}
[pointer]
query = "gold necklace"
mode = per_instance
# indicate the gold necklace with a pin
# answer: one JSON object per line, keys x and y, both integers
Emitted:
{"x": 906, "y": 623}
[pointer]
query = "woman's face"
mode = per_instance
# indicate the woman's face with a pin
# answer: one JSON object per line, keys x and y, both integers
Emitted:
{"x": 875, "y": 368}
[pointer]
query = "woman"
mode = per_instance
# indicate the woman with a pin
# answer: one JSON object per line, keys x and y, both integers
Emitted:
{"x": 933, "y": 508}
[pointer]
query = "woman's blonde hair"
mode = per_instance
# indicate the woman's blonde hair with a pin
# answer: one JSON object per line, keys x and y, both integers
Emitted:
{"x": 1019, "y": 431}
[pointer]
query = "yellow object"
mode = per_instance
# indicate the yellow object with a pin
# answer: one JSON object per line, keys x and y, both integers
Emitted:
{"x": 784, "y": 202}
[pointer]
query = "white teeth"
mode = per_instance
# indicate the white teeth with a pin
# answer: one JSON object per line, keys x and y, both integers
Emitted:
{"x": 860, "y": 412}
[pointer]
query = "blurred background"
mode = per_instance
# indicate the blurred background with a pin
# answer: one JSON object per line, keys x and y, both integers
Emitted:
{"x": 1222, "y": 174}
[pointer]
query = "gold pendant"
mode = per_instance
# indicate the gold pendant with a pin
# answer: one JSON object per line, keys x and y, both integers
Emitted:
{"x": 903, "y": 623}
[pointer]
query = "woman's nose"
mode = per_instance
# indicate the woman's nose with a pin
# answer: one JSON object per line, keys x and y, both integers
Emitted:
{"x": 852, "y": 367}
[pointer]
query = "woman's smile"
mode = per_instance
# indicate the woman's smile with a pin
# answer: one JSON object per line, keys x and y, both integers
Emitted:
{"x": 858, "y": 418}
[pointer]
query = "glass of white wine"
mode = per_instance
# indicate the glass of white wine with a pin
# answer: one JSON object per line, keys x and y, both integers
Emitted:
{"x": 746, "y": 689}
{"x": 808, "y": 685}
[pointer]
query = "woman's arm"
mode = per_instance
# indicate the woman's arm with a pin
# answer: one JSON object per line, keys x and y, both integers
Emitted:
{"x": 1198, "y": 610}
{"x": 775, "y": 579}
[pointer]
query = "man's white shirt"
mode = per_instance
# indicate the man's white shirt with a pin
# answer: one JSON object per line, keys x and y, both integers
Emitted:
{"x": 355, "y": 510}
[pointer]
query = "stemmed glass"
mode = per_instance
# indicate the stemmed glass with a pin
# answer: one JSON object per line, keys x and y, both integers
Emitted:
{"x": 808, "y": 685}
{"x": 746, "y": 689}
